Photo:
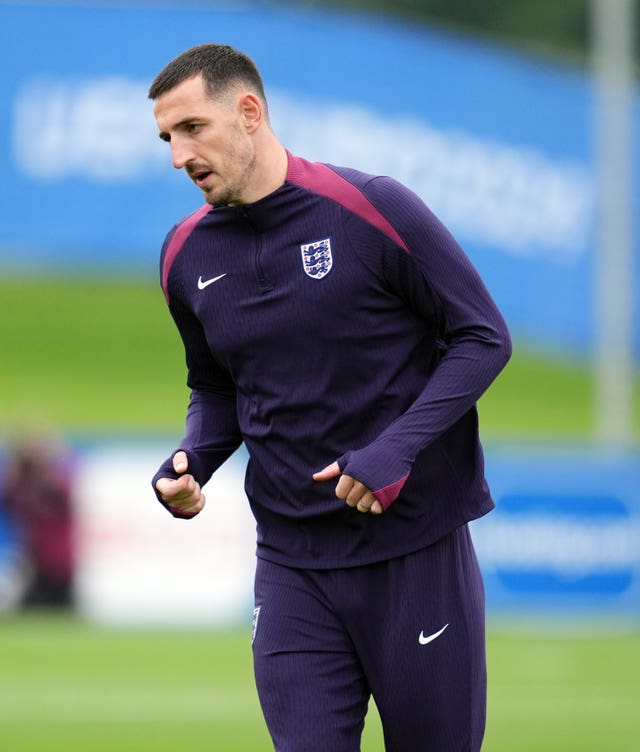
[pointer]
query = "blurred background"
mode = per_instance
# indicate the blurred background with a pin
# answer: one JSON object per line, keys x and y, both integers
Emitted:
{"x": 518, "y": 122}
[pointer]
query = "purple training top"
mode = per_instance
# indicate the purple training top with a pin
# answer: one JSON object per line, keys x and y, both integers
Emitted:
{"x": 335, "y": 319}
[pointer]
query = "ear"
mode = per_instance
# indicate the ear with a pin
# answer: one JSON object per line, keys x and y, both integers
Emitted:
{"x": 251, "y": 111}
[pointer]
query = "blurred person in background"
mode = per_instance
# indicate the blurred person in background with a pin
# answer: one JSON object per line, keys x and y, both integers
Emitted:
{"x": 333, "y": 325}
{"x": 35, "y": 497}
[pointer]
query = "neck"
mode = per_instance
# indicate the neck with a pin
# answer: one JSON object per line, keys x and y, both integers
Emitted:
{"x": 272, "y": 164}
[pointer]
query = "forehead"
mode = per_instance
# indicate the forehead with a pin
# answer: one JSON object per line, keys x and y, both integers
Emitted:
{"x": 188, "y": 99}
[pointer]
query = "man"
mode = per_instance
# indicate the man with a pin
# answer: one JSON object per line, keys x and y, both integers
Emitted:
{"x": 35, "y": 495}
{"x": 334, "y": 325}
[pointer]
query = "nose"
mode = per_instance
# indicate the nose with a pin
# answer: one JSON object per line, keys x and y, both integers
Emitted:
{"x": 181, "y": 154}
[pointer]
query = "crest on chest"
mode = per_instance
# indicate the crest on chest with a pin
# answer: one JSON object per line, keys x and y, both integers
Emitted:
{"x": 316, "y": 258}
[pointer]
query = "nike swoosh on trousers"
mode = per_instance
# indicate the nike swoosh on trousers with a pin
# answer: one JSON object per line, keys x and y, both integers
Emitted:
{"x": 424, "y": 640}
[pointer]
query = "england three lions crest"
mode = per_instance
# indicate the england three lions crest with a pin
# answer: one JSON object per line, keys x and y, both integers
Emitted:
{"x": 317, "y": 259}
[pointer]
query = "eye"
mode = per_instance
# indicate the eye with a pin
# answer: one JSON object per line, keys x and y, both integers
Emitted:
{"x": 193, "y": 127}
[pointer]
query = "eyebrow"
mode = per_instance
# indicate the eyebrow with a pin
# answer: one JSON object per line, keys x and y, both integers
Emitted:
{"x": 185, "y": 121}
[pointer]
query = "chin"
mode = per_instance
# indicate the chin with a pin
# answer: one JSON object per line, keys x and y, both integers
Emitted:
{"x": 209, "y": 197}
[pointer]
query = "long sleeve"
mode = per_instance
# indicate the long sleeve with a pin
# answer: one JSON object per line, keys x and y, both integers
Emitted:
{"x": 211, "y": 426}
{"x": 475, "y": 341}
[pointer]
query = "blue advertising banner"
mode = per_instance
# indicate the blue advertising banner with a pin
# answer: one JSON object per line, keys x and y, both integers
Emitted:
{"x": 500, "y": 145}
{"x": 565, "y": 535}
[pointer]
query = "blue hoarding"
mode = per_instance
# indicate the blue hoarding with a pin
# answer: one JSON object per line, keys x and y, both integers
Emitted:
{"x": 565, "y": 534}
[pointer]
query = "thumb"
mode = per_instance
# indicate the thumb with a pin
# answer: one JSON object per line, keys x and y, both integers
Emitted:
{"x": 180, "y": 462}
{"x": 330, "y": 471}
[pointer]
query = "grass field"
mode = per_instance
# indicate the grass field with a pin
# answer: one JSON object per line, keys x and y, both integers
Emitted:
{"x": 102, "y": 358}
{"x": 66, "y": 686}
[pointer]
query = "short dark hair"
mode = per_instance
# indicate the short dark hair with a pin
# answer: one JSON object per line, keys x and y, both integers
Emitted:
{"x": 220, "y": 65}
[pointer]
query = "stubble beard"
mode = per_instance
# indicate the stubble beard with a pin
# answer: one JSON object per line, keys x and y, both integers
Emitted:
{"x": 242, "y": 167}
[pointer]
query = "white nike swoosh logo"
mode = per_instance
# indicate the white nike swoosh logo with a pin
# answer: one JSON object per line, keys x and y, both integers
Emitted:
{"x": 425, "y": 640}
{"x": 205, "y": 283}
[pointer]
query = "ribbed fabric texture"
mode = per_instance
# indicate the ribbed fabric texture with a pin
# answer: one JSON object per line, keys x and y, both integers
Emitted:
{"x": 409, "y": 630}
{"x": 377, "y": 363}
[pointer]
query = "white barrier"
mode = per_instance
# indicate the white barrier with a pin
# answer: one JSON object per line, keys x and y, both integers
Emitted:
{"x": 139, "y": 565}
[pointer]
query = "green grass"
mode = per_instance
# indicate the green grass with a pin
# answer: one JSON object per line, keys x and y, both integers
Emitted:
{"x": 103, "y": 356}
{"x": 65, "y": 685}
{"x": 90, "y": 355}
{"x": 68, "y": 686}
{"x": 563, "y": 692}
